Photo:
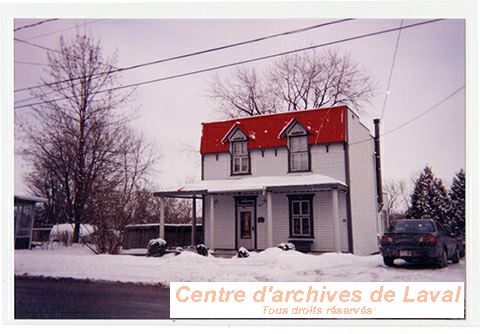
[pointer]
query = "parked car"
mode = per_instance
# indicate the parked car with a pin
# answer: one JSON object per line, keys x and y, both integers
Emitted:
{"x": 419, "y": 240}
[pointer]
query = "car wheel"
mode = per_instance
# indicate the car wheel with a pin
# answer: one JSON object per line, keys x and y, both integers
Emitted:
{"x": 388, "y": 261}
{"x": 443, "y": 260}
{"x": 456, "y": 256}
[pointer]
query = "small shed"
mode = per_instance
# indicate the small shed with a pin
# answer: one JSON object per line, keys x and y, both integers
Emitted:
{"x": 24, "y": 218}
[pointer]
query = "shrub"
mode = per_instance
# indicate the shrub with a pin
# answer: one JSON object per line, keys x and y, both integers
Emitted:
{"x": 242, "y": 253}
{"x": 156, "y": 247}
{"x": 202, "y": 249}
{"x": 286, "y": 246}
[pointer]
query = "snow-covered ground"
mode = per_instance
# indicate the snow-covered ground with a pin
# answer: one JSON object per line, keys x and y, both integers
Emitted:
{"x": 271, "y": 265}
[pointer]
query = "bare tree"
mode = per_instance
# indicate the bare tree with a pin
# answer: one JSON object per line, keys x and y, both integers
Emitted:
{"x": 119, "y": 196}
{"x": 245, "y": 95}
{"x": 398, "y": 198}
{"x": 295, "y": 82}
{"x": 83, "y": 157}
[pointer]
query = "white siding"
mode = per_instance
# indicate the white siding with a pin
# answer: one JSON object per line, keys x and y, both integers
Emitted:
{"x": 331, "y": 163}
{"x": 362, "y": 187}
{"x": 216, "y": 166}
{"x": 269, "y": 164}
{"x": 224, "y": 215}
{"x": 322, "y": 218}
{"x": 323, "y": 223}
{"x": 262, "y": 227}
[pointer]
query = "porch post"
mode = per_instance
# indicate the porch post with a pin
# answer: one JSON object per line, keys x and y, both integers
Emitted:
{"x": 194, "y": 218}
{"x": 161, "y": 233}
{"x": 31, "y": 227}
{"x": 336, "y": 221}
{"x": 269, "y": 220}
{"x": 211, "y": 225}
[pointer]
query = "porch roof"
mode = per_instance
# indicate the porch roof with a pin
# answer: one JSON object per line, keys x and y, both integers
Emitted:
{"x": 253, "y": 184}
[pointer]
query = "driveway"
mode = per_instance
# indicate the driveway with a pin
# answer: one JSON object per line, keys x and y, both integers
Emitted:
{"x": 39, "y": 298}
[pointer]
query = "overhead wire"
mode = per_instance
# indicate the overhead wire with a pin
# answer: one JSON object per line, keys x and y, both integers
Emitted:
{"x": 387, "y": 93}
{"x": 187, "y": 55}
{"x": 240, "y": 62}
{"x": 62, "y": 30}
{"x": 427, "y": 111}
{"x": 33, "y": 24}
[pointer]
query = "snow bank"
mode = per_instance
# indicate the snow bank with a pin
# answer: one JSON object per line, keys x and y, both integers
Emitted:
{"x": 272, "y": 264}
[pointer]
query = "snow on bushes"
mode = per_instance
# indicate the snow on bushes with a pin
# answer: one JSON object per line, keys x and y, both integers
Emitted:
{"x": 64, "y": 233}
{"x": 242, "y": 253}
{"x": 202, "y": 249}
{"x": 286, "y": 246}
{"x": 156, "y": 247}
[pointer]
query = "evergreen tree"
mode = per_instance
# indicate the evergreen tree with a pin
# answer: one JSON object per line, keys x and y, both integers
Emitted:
{"x": 457, "y": 200}
{"x": 440, "y": 202}
{"x": 420, "y": 203}
{"x": 429, "y": 199}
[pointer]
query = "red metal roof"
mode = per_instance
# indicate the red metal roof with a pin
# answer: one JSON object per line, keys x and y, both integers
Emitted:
{"x": 325, "y": 125}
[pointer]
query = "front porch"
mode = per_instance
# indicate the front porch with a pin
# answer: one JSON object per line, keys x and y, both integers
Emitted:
{"x": 260, "y": 212}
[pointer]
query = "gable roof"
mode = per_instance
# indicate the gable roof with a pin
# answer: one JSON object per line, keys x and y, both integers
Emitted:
{"x": 325, "y": 125}
{"x": 290, "y": 125}
{"x": 231, "y": 132}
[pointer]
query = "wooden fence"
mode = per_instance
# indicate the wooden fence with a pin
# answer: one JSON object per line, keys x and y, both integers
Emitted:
{"x": 176, "y": 235}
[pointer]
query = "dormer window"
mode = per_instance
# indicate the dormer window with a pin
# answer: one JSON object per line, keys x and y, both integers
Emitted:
{"x": 298, "y": 154}
{"x": 298, "y": 149}
{"x": 240, "y": 158}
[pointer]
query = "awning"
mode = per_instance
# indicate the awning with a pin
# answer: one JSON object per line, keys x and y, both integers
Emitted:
{"x": 254, "y": 184}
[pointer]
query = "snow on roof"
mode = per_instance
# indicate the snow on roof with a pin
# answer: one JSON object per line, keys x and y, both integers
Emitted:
{"x": 260, "y": 183}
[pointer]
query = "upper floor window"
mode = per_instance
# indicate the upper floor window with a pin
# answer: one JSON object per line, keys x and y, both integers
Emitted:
{"x": 299, "y": 156}
{"x": 298, "y": 150}
{"x": 240, "y": 158}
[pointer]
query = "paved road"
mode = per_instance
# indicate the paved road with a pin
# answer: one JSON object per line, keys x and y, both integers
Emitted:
{"x": 37, "y": 298}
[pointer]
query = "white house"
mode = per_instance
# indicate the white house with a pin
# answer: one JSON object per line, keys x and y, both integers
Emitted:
{"x": 307, "y": 177}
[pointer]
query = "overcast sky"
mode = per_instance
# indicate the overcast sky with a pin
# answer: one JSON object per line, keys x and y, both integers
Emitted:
{"x": 429, "y": 67}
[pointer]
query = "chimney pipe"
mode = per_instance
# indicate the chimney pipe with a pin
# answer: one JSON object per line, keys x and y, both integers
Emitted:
{"x": 378, "y": 167}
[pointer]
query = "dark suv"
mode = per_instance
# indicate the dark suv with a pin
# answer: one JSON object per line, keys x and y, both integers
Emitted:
{"x": 419, "y": 240}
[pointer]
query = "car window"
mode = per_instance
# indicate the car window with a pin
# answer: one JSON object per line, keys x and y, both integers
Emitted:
{"x": 414, "y": 226}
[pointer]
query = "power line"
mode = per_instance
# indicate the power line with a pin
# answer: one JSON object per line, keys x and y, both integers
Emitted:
{"x": 256, "y": 40}
{"x": 37, "y": 45}
{"x": 426, "y": 111}
{"x": 62, "y": 30}
{"x": 29, "y": 63}
{"x": 46, "y": 49}
{"x": 391, "y": 71}
{"x": 436, "y": 105}
{"x": 239, "y": 62}
{"x": 33, "y": 24}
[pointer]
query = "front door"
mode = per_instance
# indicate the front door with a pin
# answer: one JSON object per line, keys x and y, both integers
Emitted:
{"x": 245, "y": 227}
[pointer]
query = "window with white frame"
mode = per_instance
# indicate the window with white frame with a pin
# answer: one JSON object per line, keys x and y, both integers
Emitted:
{"x": 301, "y": 216}
{"x": 299, "y": 157}
{"x": 240, "y": 157}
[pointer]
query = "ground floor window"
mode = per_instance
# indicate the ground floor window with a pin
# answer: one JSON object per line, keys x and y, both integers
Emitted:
{"x": 301, "y": 216}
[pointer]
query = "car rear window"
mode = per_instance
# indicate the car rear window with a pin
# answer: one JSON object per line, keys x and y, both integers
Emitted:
{"x": 413, "y": 226}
